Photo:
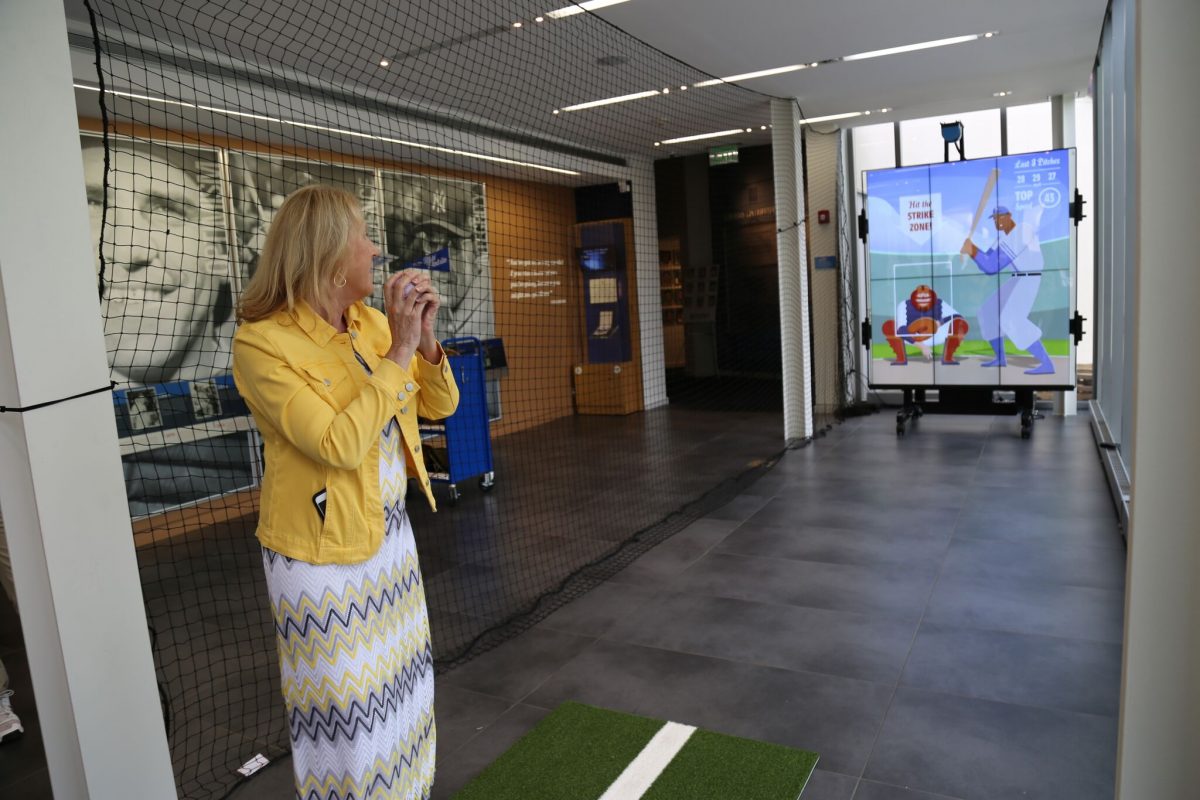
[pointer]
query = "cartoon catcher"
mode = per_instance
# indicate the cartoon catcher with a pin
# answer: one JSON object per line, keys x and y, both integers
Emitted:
{"x": 925, "y": 321}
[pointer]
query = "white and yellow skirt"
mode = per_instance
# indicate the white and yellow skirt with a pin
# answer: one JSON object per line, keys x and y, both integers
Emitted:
{"x": 357, "y": 663}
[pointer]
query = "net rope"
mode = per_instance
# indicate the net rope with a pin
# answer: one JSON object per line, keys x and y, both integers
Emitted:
{"x": 629, "y": 349}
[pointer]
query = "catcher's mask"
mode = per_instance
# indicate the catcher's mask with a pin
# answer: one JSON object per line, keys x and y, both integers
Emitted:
{"x": 923, "y": 297}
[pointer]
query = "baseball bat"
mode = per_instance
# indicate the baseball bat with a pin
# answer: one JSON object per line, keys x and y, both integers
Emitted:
{"x": 983, "y": 200}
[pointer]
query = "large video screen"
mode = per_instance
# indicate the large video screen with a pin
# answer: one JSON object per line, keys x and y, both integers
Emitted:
{"x": 972, "y": 273}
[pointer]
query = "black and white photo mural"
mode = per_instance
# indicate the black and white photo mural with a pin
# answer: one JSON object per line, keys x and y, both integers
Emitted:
{"x": 171, "y": 261}
{"x": 260, "y": 183}
{"x": 440, "y": 225}
{"x": 165, "y": 266}
{"x": 167, "y": 280}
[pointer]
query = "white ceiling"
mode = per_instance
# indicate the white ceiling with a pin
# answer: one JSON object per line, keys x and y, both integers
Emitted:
{"x": 462, "y": 63}
{"x": 1043, "y": 48}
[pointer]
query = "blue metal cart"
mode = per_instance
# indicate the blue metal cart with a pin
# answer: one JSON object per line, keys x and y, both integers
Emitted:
{"x": 460, "y": 447}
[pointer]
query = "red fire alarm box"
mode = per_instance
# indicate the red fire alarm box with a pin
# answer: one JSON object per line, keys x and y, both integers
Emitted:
{"x": 823, "y": 216}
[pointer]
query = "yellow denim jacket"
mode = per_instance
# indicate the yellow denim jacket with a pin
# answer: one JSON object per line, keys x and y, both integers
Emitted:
{"x": 320, "y": 415}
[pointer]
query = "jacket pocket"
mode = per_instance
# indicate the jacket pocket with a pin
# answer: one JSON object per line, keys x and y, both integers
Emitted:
{"x": 326, "y": 377}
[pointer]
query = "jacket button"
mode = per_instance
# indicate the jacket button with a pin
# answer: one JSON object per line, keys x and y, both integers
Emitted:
{"x": 328, "y": 382}
{"x": 353, "y": 334}
{"x": 404, "y": 410}
{"x": 416, "y": 448}
{"x": 408, "y": 387}
{"x": 402, "y": 397}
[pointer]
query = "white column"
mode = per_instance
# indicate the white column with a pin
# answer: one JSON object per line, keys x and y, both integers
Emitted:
{"x": 649, "y": 297}
{"x": 793, "y": 270}
{"x": 61, "y": 485}
{"x": 821, "y": 151}
{"x": 1160, "y": 697}
{"x": 1062, "y": 109}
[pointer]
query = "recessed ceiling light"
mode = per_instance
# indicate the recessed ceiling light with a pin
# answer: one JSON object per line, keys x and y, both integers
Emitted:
{"x": 516, "y": 24}
{"x": 907, "y": 48}
{"x": 610, "y": 100}
{"x": 666, "y": 90}
{"x": 338, "y": 131}
{"x": 658, "y": 144}
{"x": 590, "y": 5}
{"x": 1001, "y": 94}
{"x": 539, "y": 19}
{"x": 556, "y": 111}
{"x": 700, "y": 136}
{"x": 828, "y": 117}
{"x": 763, "y": 128}
{"x": 383, "y": 62}
{"x": 683, "y": 88}
{"x": 745, "y": 76}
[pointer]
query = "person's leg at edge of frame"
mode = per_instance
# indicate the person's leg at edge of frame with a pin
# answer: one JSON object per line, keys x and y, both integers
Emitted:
{"x": 10, "y": 723}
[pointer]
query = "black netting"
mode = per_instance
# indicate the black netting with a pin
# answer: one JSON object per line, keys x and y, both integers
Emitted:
{"x": 611, "y": 303}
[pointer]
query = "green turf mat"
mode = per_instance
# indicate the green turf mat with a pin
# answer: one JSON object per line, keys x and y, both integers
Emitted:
{"x": 717, "y": 767}
{"x": 578, "y": 751}
{"x": 573, "y": 754}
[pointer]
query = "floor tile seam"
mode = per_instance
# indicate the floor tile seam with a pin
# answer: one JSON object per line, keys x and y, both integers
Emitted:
{"x": 591, "y": 642}
{"x": 1010, "y": 704}
{"x": 480, "y": 732}
{"x": 1098, "y": 528}
{"x": 932, "y": 795}
{"x": 812, "y": 560}
{"x": 908, "y": 655}
{"x": 875, "y": 615}
{"x": 1033, "y": 583}
{"x": 1098, "y": 516}
{"x": 798, "y": 561}
{"x": 986, "y": 629}
{"x": 607, "y": 628}
{"x": 554, "y": 673}
{"x": 1036, "y": 540}
{"x": 955, "y": 532}
{"x": 967, "y": 696}
{"x": 746, "y": 662}
{"x": 792, "y": 559}
{"x": 872, "y": 511}
{"x": 1029, "y": 634}
{"x": 755, "y": 664}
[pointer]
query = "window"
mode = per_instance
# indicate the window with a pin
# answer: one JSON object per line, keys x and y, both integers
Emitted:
{"x": 921, "y": 139}
{"x": 1030, "y": 128}
{"x": 874, "y": 148}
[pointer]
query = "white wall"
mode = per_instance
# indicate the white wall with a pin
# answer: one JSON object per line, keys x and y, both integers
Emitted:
{"x": 1160, "y": 702}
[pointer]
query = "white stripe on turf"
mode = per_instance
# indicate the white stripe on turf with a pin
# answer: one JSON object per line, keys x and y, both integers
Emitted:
{"x": 649, "y": 764}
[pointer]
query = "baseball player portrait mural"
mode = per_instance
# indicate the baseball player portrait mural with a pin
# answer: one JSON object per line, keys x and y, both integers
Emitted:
{"x": 440, "y": 224}
{"x": 972, "y": 272}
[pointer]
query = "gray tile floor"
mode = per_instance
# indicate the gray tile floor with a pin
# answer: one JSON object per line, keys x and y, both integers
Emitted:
{"x": 938, "y": 616}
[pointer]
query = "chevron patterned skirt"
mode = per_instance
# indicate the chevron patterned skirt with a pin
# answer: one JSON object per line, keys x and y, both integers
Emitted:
{"x": 356, "y": 661}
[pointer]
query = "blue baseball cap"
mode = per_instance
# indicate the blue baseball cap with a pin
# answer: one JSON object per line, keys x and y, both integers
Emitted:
{"x": 998, "y": 210}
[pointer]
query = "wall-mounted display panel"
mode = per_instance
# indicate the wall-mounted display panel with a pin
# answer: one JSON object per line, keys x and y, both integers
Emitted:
{"x": 972, "y": 273}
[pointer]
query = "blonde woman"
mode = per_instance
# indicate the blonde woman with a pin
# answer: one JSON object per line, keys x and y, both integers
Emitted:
{"x": 335, "y": 388}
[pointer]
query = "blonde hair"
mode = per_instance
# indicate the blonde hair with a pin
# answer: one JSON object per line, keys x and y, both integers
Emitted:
{"x": 307, "y": 240}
